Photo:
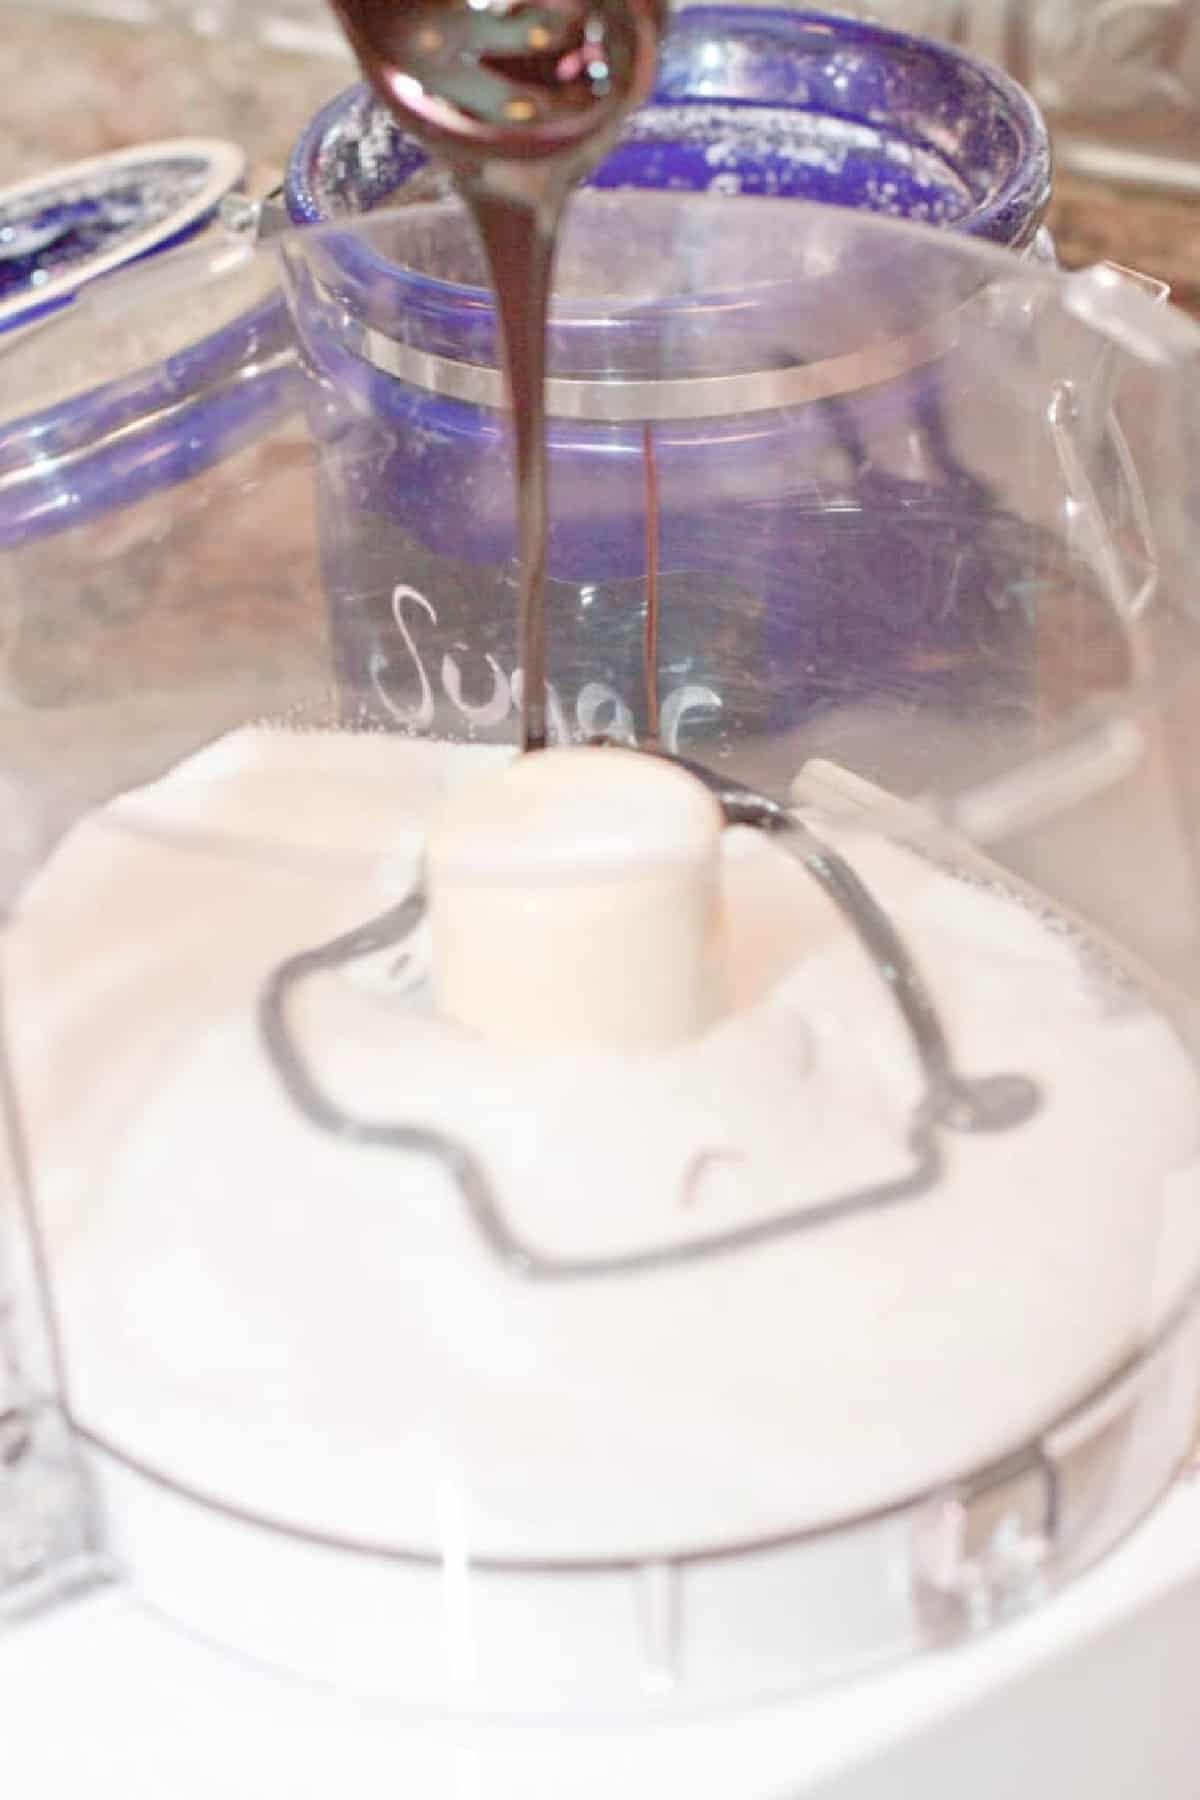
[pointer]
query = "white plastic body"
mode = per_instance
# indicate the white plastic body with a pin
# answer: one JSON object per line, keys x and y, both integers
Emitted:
{"x": 1093, "y": 1695}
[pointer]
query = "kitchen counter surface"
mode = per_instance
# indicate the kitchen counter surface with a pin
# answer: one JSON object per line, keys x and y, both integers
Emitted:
{"x": 103, "y": 85}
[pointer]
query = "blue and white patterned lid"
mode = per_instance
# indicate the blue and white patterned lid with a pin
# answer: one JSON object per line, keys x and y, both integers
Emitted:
{"x": 61, "y": 230}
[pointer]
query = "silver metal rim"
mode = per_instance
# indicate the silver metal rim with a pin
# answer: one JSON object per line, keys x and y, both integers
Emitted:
{"x": 605, "y": 400}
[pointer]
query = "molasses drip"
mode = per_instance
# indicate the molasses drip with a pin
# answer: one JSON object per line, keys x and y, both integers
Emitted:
{"x": 520, "y": 100}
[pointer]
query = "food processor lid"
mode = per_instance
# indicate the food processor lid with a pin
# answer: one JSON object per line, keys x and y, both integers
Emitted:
{"x": 61, "y": 230}
{"x": 779, "y": 1570}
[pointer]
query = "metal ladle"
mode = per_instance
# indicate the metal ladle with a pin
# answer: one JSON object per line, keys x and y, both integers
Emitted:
{"x": 519, "y": 98}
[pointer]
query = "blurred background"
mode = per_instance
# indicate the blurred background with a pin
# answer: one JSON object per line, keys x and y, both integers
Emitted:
{"x": 1119, "y": 79}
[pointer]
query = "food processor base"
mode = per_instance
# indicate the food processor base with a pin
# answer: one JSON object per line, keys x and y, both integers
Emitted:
{"x": 1092, "y": 1695}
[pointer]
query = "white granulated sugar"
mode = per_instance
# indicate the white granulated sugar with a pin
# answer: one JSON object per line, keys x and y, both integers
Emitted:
{"x": 725, "y": 150}
{"x": 773, "y": 139}
{"x": 360, "y": 150}
{"x": 320, "y": 1332}
{"x": 357, "y": 157}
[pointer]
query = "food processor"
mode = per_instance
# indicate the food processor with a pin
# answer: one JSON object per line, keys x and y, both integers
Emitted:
{"x": 673, "y": 1260}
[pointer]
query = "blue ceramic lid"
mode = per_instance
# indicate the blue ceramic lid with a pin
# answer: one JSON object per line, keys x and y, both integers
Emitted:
{"x": 61, "y": 230}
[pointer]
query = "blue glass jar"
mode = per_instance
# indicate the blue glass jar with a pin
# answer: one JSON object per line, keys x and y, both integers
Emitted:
{"x": 762, "y": 101}
{"x": 701, "y": 450}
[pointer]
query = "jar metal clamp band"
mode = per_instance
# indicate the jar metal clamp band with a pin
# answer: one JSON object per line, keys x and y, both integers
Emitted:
{"x": 605, "y": 400}
{"x": 258, "y": 221}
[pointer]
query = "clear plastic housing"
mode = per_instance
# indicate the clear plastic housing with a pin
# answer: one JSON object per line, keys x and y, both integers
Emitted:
{"x": 527, "y": 1386}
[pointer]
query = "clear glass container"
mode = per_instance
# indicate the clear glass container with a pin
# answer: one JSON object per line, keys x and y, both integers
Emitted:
{"x": 590, "y": 1384}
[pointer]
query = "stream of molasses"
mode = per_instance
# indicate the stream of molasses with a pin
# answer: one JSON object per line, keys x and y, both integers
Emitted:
{"x": 520, "y": 98}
